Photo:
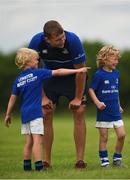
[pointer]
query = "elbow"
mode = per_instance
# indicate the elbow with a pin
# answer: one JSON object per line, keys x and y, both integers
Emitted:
{"x": 89, "y": 91}
{"x": 56, "y": 72}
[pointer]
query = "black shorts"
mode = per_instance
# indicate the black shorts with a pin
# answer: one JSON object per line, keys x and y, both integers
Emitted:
{"x": 61, "y": 86}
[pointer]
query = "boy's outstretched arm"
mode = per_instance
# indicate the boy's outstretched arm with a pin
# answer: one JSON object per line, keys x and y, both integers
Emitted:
{"x": 11, "y": 103}
{"x": 63, "y": 72}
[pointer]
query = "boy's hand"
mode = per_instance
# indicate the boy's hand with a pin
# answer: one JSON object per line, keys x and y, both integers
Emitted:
{"x": 7, "y": 120}
{"x": 101, "y": 105}
{"x": 83, "y": 69}
{"x": 121, "y": 110}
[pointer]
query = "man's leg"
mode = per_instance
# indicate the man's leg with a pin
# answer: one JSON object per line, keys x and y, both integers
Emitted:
{"x": 79, "y": 131}
{"x": 48, "y": 134}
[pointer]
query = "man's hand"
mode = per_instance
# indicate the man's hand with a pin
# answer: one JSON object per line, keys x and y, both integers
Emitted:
{"x": 47, "y": 103}
{"x": 75, "y": 103}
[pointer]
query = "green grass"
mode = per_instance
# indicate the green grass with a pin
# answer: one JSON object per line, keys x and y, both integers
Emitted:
{"x": 63, "y": 156}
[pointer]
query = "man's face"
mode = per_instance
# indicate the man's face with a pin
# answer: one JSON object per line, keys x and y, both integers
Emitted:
{"x": 57, "y": 41}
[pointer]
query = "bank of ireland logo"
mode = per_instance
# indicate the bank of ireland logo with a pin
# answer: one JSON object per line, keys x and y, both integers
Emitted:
{"x": 113, "y": 87}
{"x": 106, "y": 82}
{"x": 44, "y": 51}
{"x": 65, "y": 51}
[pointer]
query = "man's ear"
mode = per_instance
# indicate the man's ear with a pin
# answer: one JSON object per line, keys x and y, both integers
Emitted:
{"x": 47, "y": 40}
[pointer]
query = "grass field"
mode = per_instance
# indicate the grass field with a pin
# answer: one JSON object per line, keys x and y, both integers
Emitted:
{"x": 63, "y": 156}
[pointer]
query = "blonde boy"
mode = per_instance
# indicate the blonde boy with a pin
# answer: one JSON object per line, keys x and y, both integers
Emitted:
{"x": 105, "y": 95}
{"x": 29, "y": 85}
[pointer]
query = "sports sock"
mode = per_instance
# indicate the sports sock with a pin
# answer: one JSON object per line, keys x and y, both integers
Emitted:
{"x": 27, "y": 165}
{"x": 38, "y": 165}
{"x": 104, "y": 158}
{"x": 117, "y": 156}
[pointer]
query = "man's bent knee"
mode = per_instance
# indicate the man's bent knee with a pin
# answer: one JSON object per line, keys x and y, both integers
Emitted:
{"x": 79, "y": 111}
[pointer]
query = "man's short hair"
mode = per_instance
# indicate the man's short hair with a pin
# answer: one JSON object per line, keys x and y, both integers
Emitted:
{"x": 52, "y": 28}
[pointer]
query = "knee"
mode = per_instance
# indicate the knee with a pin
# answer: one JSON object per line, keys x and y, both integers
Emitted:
{"x": 79, "y": 112}
{"x": 104, "y": 138}
{"x": 122, "y": 136}
{"x": 29, "y": 144}
{"x": 47, "y": 112}
{"x": 48, "y": 118}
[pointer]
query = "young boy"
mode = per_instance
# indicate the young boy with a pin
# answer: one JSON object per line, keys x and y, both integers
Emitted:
{"x": 29, "y": 85}
{"x": 105, "y": 95}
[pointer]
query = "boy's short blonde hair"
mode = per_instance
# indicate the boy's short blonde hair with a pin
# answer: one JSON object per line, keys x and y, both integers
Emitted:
{"x": 24, "y": 55}
{"x": 104, "y": 54}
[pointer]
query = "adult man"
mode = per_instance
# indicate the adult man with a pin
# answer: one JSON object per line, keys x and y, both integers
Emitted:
{"x": 58, "y": 48}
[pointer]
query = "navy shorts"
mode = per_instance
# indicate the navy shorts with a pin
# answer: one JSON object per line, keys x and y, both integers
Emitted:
{"x": 61, "y": 86}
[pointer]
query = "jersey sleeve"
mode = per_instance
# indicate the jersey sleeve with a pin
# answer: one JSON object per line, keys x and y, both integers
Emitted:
{"x": 35, "y": 41}
{"x": 44, "y": 73}
{"x": 15, "y": 90}
{"x": 77, "y": 50}
{"x": 95, "y": 81}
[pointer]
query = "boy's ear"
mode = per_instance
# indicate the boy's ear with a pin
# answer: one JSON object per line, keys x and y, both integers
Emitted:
{"x": 27, "y": 63}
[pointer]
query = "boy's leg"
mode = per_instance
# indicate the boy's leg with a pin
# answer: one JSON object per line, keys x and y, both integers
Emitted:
{"x": 103, "y": 154}
{"x": 120, "y": 132}
{"x": 117, "y": 156}
{"x": 103, "y": 138}
{"x": 28, "y": 152}
{"x": 37, "y": 139}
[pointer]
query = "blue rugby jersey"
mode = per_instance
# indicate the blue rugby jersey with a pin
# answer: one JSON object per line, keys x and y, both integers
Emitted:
{"x": 29, "y": 85}
{"x": 105, "y": 85}
{"x": 54, "y": 58}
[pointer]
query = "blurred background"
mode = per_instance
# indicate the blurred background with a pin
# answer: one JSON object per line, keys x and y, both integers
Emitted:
{"x": 96, "y": 22}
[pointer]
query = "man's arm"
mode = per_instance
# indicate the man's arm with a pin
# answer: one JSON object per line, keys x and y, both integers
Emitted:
{"x": 80, "y": 81}
{"x": 11, "y": 103}
{"x": 46, "y": 102}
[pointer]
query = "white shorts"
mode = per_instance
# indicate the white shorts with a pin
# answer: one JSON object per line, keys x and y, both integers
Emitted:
{"x": 113, "y": 124}
{"x": 33, "y": 127}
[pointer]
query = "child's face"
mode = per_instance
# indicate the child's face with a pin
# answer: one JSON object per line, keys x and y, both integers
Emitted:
{"x": 33, "y": 63}
{"x": 112, "y": 62}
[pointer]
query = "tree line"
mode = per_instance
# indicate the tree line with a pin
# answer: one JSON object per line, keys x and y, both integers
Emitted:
{"x": 9, "y": 71}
